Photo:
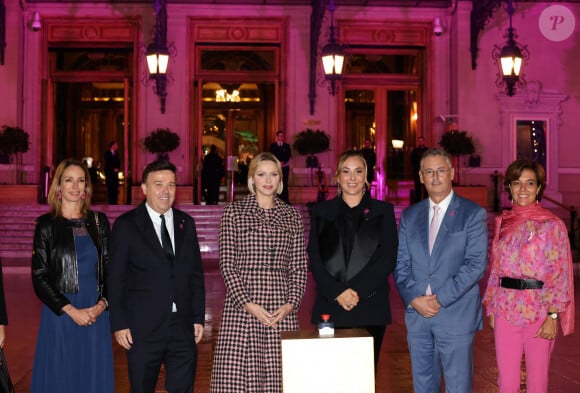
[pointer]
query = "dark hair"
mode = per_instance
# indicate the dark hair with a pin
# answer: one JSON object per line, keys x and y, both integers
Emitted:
{"x": 156, "y": 166}
{"x": 515, "y": 169}
{"x": 111, "y": 144}
{"x": 280, "y": 132}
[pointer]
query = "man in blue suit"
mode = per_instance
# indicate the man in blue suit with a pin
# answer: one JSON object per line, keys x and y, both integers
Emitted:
{"x": 442, "y": 256}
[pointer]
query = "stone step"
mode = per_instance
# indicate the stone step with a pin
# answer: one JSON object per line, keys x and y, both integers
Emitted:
{"x": 17, "y": 226}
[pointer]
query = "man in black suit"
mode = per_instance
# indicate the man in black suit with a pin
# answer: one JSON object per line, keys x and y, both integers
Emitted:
{"x": 156, "y": 286}
{"x": 211, "y": 176}
{"x": 371, "y": 159}
{"x": 283, "y": 153}
{"x": 416, "y": 155}
{"x": 112, "y": 168}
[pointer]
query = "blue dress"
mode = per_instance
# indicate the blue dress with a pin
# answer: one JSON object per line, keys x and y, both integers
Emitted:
{"x": 71, "y": 358}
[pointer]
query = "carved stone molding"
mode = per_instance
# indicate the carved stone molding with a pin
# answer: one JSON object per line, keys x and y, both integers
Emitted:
{"x": 91, "y": 30}
{"x": 533, "y": 99}
{"x": 353, "y": 32}
{"x": 533, "y": 103}
{"x": 239, "y": 30}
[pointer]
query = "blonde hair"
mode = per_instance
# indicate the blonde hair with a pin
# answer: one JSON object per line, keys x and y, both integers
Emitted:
{"x": 342, "y": 159}
{"x": 54, "y": 201}
{"x": 254, "y": 165}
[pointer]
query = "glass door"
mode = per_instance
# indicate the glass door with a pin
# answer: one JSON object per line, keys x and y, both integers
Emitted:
{"x": 236, "y": 118}
{"x": 88, "y": 106}
{"x": 387, "y": 119}
{"x": 87, "y": 117}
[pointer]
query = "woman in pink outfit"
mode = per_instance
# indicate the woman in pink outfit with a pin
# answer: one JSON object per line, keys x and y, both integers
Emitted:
{"x": 530, "y": 286}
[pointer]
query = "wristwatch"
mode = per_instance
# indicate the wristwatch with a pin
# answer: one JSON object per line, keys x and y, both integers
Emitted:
{"x": 553, "y": 315}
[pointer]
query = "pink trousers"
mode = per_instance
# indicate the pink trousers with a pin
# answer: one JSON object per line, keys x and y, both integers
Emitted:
{"x": 511, "y": 342}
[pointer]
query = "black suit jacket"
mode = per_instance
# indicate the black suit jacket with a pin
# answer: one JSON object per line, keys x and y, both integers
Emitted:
{"x": 112, "y": 162}
{"x": 373, "y": 258}
{"x": 282, "y": 153}
{"x": 143, "y": 282}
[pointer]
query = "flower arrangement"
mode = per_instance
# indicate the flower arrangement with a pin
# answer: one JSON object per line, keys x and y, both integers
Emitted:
{"x": 162, "y": 141}
{"x": 13, "y": 142}
{"x": 309, "y": 143}
{"x": 457, "y": 143}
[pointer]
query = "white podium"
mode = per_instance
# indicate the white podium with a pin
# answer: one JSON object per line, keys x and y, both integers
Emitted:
{"x": 340, "y": 364}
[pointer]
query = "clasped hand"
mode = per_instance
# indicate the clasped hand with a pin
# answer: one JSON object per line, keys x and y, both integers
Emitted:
{"x": 348, "y": 299}
{"x": 266, "y": 318}
{"x": 427, "y": 306}
{"x": 84, "y": 316}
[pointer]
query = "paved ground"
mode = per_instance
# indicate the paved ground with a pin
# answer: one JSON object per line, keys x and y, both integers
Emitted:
{"x": 394, "y": 374}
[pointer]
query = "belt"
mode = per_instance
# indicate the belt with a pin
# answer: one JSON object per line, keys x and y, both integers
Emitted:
{"x": 520, "y": 283}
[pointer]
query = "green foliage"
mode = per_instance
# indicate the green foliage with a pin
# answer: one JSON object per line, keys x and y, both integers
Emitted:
{"x": 162, "y": 140}
{"x": 14, "y": 140}
{"x": 309, "y": 142}
{"x": 457, "y": 143}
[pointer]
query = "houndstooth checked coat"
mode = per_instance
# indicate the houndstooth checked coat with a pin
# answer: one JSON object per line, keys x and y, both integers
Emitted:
{"x": 263, "y": 261}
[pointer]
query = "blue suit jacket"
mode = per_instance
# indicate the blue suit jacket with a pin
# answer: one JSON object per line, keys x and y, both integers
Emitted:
{"x": 454, "y": 268}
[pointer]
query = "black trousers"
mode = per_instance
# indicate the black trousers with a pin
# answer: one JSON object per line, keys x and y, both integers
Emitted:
{"x": 174, "y": 347}
{"x": 285, "y": 174}
{"x": 112, "y": 192}
{"x": 420, "y": 191}
{"x": 213, "y": 192}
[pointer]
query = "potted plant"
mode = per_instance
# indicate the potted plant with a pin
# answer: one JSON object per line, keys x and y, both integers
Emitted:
{"x": 162, "y": 141}
{"x": 457, "y": 143}
{"x": 13, "y": 142}
{"x": 309, "y": 143}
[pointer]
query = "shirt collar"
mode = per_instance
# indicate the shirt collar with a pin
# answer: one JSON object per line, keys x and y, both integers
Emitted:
{"x": 443, "y": 205}
{"x": 155, "y": 216}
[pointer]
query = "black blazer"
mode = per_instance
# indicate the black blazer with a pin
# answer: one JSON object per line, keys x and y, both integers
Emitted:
{"x": 283, "y": 153}
{"x": 112, "y": 162}
{"x": 372, "y": 260}
{"x": 143, "y": 283}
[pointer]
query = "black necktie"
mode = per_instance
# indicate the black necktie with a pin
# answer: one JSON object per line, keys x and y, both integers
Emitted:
{"x": 166, "y": 240}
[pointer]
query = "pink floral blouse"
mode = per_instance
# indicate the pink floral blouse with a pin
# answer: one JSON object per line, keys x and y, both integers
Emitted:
{"x": 531, "y": 249}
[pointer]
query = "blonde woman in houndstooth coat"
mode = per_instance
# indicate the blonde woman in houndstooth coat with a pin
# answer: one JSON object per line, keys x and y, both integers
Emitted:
{"x": 263, "y": 264}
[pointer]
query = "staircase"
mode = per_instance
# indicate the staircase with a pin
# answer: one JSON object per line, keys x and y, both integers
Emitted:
{"x": 17, "y": 228}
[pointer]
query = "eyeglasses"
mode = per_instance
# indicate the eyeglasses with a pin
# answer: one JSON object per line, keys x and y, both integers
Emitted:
{"x": 431, "y": 172}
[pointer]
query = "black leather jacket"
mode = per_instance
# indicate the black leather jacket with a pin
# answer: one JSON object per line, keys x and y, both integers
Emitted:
{"x": 54, "y": 261}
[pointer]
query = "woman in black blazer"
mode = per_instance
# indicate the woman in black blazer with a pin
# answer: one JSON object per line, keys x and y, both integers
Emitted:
{"x": 353, "y": 250}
